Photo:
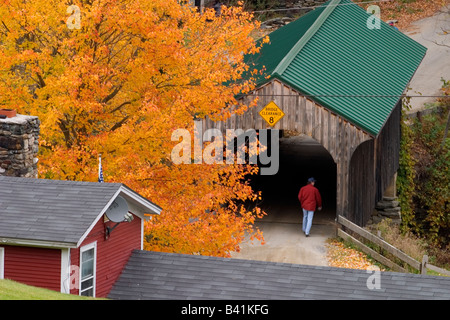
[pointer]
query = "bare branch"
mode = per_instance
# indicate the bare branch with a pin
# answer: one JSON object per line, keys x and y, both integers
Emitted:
{"x": 111, "y": 95}
{"x": 7, "y": 29}
{"x": 120, "y": 123}
{"x": 41, "y": 80}
{"x": 120, "y": 106}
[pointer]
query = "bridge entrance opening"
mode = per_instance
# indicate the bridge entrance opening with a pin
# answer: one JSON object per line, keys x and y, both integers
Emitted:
{"x": 300, "y": 157}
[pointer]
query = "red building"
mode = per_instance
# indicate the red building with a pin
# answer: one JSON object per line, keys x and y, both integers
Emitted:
{"x": 72, "y": 237}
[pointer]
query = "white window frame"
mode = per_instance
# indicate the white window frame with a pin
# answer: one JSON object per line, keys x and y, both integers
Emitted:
{"x": 90, "y": 246}
{"x": 2, "y": 263}
{"x": 65, "y": 270}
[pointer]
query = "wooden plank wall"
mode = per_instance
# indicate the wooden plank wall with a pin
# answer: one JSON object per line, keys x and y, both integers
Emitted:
{"x": 372, "y": 168}
{"x": 362, "y": 184}
{"x": 388, "y": 151}
{"x": 337, "y": 135}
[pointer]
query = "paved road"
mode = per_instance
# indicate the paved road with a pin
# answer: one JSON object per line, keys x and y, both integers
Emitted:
{"x": 436, "y": 64}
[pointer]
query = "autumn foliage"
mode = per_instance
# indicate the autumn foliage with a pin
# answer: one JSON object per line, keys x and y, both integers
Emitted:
{"x": 119, "y": 85}
{"x": 407, "y": 11}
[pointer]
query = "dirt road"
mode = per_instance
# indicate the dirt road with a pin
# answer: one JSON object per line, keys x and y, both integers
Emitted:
{"x": 285, "y": 241}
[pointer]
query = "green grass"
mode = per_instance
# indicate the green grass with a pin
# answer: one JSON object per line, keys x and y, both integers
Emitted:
{"x": 11, "y": 290}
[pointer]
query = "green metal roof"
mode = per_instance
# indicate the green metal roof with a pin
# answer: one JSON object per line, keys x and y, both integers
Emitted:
{"x": 281, "y": 43}
{"x": 332, "y": 56}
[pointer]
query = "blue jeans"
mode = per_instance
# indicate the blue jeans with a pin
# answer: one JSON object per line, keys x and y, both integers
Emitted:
{"x": 307, "y": 221}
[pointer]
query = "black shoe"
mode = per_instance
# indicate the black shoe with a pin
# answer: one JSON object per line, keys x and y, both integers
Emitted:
{"x": 307, "y": 235}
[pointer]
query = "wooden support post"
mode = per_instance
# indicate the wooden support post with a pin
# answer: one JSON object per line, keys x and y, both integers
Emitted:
{"x": 423, "y": 266}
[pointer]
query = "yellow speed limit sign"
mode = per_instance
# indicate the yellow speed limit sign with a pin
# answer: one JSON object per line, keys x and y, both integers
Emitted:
{"x": 271, "y": 113}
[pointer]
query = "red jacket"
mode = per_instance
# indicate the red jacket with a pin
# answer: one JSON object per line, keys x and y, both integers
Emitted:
{"x": 309, "y": 198}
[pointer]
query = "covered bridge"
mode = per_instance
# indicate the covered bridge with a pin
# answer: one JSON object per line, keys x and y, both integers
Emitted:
{"x": 340, "y": 81}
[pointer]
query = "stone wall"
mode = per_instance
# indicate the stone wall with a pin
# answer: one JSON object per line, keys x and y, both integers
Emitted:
{"x": 388, "y": 207}
{"x": 19, "y": 136}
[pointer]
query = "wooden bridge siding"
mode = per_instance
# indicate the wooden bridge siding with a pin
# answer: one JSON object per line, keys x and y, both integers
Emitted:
{"x": 301, "y": 115}
{"x": 372, "y": 168}
{"x": 388, "y": 151}
{"x": 339, "y": 137}
{"x": 362, "y": 184}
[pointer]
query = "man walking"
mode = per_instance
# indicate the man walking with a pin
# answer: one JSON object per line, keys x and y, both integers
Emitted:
{"x": 310, "y": 200}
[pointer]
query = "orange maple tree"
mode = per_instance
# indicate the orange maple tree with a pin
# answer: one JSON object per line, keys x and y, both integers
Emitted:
{"x": 116, "y": 78}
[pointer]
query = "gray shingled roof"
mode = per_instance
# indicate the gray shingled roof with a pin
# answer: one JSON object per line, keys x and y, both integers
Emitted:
{"x": 156, "y": 275}
{"x": 51, "y": 210}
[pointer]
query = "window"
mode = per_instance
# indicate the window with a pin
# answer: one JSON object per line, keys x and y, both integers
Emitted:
{"x": 2, "y": 263}
{"x": 87, "y": 269}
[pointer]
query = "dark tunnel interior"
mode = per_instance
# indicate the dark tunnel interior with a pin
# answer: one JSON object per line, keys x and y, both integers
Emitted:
{"x": 300, "y": 157}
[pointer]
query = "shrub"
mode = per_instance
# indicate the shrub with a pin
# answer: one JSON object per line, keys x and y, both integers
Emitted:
{"x": 404, "y": 241}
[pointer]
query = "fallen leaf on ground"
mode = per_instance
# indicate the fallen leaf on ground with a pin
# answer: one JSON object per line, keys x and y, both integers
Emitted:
{"x": 341, "y": 256}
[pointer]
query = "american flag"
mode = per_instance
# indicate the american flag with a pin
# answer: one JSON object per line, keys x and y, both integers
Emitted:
{"x": 100, "y": 170}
